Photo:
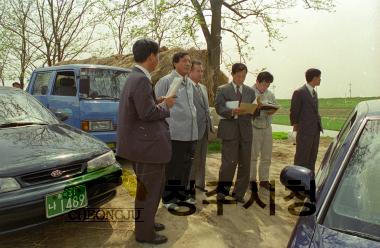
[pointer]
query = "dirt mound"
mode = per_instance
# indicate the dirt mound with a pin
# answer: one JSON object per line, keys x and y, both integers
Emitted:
{"x": 164, "y": 67}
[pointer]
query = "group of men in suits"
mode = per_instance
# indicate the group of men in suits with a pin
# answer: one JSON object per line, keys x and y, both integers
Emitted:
{"x": 165, "y": 136}
{"x": 159, "y": 134}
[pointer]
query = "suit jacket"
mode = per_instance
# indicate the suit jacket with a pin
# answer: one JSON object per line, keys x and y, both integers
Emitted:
{"x": 203, "y": 112}
{"x": 304, "y": 112}
{"x": 142, "y": 134}
{"x": 230, "y": 128}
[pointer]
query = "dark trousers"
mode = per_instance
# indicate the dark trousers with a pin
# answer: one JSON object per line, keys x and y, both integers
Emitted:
{"x": 150, "y": 185}
{"x": 177, "y": 171}
{"x": 306, "y": 150}
{"x": 198, "y": 167}
{"x": 235, "y": 153}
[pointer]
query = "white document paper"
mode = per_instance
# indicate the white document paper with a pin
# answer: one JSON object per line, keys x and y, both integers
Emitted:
{"x": 174, "y": 86}
{"x": 232, "y": 104}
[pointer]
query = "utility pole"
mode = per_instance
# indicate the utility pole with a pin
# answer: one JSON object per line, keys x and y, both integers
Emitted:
{"x": 350, "y": 84}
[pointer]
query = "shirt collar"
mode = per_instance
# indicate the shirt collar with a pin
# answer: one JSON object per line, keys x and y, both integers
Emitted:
{"x": 235, "y": 86}
{"x": 179, "y": 75}
{"x": 194, "y": 83}
{"x": 146, "y": 72}
{"x": 310, "y": 88}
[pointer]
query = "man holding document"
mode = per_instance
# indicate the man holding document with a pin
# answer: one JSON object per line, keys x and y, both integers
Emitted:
{"x": 235, "y": 131}
{"x": 262, "y": 131}
{"x": 183, "y": 130}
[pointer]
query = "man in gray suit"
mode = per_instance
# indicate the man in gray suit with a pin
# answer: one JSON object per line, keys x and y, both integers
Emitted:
{"x": 306, "y": 121}
{"x": 143, "y": 138}
{"x": 183, "y": 131}
{"x": 198, "y": 168}
{"x": 235, "y": 130}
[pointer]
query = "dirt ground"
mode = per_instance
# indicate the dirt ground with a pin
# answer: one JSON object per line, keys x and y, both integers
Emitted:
{"x": 236, "y": 227}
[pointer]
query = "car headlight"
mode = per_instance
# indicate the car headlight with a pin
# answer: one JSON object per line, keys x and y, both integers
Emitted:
{"x": 8, "y": 184}
{"x": 102, "y": 161}
{"x": 97, "y": 126}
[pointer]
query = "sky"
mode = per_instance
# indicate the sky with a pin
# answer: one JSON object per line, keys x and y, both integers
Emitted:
{"x": 344, "y": 45}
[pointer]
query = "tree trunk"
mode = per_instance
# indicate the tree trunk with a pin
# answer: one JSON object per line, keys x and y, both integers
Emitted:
{"x": 213, "y": 47}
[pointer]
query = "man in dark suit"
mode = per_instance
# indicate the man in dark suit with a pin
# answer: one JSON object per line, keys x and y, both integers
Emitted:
{"x": 235, "y": 130}
{"x": 144, "y": 138}
{"x": 198, "y": 167}
{"x": 306, "y": 121}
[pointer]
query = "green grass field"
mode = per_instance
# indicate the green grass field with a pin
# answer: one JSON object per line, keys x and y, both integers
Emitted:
{"x": 334, "y": 111}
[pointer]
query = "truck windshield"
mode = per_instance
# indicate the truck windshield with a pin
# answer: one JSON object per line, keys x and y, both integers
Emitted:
{"x": 97, "y": 83}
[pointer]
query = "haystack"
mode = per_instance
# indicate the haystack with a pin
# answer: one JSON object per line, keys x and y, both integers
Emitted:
{"x": 164, "y": 67}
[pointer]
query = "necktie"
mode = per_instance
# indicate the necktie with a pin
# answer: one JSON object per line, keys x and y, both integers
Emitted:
{"x": 315, "y": 99}
{"x": 200, "y": 94}
{"x": 238, "y": 94}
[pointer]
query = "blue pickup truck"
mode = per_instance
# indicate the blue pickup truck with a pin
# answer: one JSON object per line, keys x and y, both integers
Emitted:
{"x": 87, "y": 95}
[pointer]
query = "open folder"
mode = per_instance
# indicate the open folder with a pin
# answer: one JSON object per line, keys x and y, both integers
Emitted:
{"x": 247, "y": 108}
{"x": 252, "y": 108}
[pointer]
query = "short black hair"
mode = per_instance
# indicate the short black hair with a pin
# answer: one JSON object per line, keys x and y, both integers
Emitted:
{"x": 264, "y": 76}
{"x": 312, "y": 73}
{"x": 177, "y": 56}
{"x": 143, "y": 48}
{"x": 195, "y": 62}
{"x": 237, "y": 67}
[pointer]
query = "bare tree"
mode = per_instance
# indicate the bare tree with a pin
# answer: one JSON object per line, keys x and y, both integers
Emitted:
{"x": 121, "y": 21}
{"x": 63, "y": 29}
{"x": 15, "y": 22}
{"x": 4, "y": 53}
{"x": 169, "y": 22}
{"x": 218, "y": 17}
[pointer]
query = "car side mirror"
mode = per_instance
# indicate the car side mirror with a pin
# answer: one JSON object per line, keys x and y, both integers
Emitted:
{"x": 61, "y": 115}
{"x": 299, "y": 180}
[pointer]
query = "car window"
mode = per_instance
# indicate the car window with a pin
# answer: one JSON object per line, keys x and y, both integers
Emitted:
{"x": 101, "y": 83}
{"x": 333, "y": 149}
{"x": 356, "y": 203}
{"x": 64, "y": 84}
{"x": 41, "y": 83}
{"x": 19, "y": 107}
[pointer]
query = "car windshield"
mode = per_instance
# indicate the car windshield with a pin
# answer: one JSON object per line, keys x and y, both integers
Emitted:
{"x": 356, "y": 204}
{"x": 96, "y": 83}
{"x": 18, "y": 107}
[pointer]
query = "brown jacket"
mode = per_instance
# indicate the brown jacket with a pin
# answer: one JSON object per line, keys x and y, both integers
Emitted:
{"x": 142, "y": 134}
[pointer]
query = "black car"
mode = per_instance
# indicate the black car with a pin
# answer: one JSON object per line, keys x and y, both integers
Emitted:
{"x": 345, "y": 199}
{"x": 48, "y": 168}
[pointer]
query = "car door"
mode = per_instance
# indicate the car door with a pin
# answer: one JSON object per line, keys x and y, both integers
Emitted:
{"x": 63, "y": 96}
{"x": 40, "y": 85}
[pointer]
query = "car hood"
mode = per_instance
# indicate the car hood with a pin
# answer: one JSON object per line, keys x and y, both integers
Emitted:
{"x": 325, "y": 237}
{"x": 37, "y": 147}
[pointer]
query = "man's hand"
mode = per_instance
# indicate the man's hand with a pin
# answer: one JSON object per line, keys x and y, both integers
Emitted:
{"x": 169, "y": 101}
{"x": 160, "y": 99}
{"x": 236, "y": 111}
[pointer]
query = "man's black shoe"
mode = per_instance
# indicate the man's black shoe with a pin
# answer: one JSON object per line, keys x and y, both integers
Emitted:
{"x": 159, "y": 227}
{"x": 220, "y": 197}
{"x": 159, "y": 239}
